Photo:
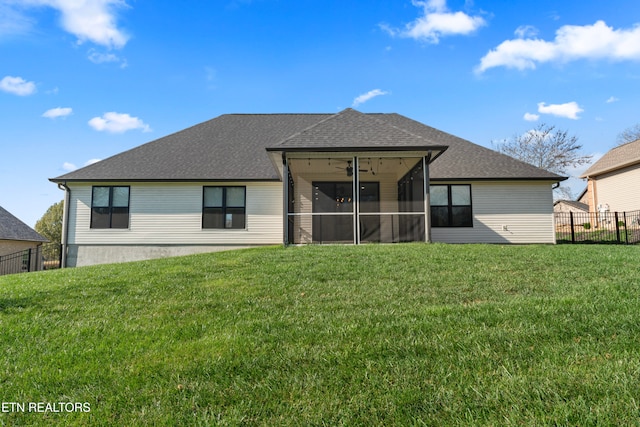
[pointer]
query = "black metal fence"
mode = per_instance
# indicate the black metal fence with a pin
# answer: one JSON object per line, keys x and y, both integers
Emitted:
{"x": 598, "y": 227}
{"x": 43, "y": 257}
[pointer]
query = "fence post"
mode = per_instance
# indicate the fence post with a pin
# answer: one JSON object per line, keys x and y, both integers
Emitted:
{"x": 29, "y": 261}
{"x": 573, "y": 233}
{"x": 626, "y": 235}
{"x": 617, "y": 227}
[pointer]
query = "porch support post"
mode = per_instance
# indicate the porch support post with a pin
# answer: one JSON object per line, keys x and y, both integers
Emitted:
{"x": 285, "y": 197}
{"x": 356, "y": 201}
{"x": 427, "y": 198}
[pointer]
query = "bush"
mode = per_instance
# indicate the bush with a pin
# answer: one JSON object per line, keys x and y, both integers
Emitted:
{"x": 586, "y": 225}
{"x": 621, "y": 224}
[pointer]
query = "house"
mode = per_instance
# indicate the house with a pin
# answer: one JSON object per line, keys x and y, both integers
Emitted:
{"x": 612, "y": 180}
{"x": 566, "y": 211}
{"x": 243, "y": 180}
{"x": 15, "y": 235}
{"x": 570, "y": 206}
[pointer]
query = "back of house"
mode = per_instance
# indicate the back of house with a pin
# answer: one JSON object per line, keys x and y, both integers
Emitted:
{"x": 242, "y": 180}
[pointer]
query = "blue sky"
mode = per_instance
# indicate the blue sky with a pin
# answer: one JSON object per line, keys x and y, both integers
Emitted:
{"x": 81, "y": 80}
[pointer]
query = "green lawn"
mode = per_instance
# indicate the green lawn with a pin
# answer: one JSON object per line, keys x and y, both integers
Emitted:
{"x": 368, "y": 335}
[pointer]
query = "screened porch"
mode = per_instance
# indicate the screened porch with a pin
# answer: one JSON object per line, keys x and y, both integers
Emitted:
{"x": 356, "y": 197}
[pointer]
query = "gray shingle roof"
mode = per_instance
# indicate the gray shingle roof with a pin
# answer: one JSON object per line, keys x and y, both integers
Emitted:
{"x": 466, "y": 160}
{"x": 229, "y": 147}
{"x": 616, "y": 158}
{"x": 234, "y": 147}
{"x": 11, "y": 228}
{"x": 351, "y": 129}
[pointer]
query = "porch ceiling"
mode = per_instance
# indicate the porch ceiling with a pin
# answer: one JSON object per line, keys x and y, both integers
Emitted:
{"x": 369, "y": 167}
{"x": 380, "y": 162}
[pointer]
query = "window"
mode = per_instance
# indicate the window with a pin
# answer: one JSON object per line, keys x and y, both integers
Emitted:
{"x": 451, "y": 206}
{"x": 110, "y": 207}
{"x": 224, "y": 207}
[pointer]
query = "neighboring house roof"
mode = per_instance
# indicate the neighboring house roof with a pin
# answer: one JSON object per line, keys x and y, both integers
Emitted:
{"x": 573, "y": 204}
{"x": 233, "y": 147}
{"x": 11, "y": 228}
{"x": 582, "y": 193}
{"x": 616, "y": 158}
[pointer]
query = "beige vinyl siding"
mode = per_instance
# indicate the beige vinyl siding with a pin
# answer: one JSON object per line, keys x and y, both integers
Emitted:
{"x": 619, "y": 189}
{"x": 171, "y": 214}
{"x": 503, "y": 212}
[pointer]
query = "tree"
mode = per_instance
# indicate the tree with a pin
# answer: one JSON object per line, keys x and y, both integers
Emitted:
{"x": 547, "y": 148}
{"x": 50, "y": 226}
{"x": 629, "y": 135}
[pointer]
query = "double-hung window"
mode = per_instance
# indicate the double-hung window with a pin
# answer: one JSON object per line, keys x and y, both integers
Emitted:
{"x": 110, "y": 207}
{"x": 224, "y": 207}
{"x": 451, "y": 206}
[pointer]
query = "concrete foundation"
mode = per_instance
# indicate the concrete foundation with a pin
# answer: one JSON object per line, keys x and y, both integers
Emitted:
{"x": 83, "y": 255}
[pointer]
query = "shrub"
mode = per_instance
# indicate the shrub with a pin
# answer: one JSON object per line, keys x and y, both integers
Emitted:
{"x": 621, "y": 224}
{"x": 587, "y": 225}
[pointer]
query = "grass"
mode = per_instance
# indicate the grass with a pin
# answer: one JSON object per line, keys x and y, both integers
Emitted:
{"x": 371, "y": 335}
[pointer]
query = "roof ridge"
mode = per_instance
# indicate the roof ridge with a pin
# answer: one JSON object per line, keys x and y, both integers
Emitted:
{"x": 368, "y": 116}
{"x": 311, "y": 127}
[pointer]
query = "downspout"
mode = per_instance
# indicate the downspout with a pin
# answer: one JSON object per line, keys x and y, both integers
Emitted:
{"x": 65, "y": 223}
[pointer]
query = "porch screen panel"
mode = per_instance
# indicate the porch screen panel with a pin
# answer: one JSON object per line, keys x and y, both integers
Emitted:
{"x": 369, "y": 198}
{"x": 332, "y": 198}
{"x": 411, "y": 221}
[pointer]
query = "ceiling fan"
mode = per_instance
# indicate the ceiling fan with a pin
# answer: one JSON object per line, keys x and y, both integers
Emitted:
{"x": 349, "y": 168}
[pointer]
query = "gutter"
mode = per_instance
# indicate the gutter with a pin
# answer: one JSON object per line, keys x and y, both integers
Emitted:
{"x": 65, "y": 222}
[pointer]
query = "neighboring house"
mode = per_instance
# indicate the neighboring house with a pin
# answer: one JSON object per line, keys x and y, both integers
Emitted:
{"x": 15, "y": 235}
{"x": 566, "y": 209}
{"x": 613, "y": 180}
{"x": 570, "y": 206}
{"x": 243, "y": 180}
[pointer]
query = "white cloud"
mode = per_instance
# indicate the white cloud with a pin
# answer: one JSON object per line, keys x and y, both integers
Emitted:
{"x": 69, "y": 166}
{"x": 437, "y": 22}
{"x": 572, "y": 42}
{"x": 526, "y": 31}
{"x": 57, "y": 112}
{"x": 101, "y": 58}
{"x": 367, "y": 96}
{"x": 17, "y": 86}
{"x": 88, "y": 20}
{"x": 570, "y": 110}
{"x": 118, "y": 123}
{"x": 12, "y": 21}
{"x": 530, "y": 117}
{"x": 612, "y": 99}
